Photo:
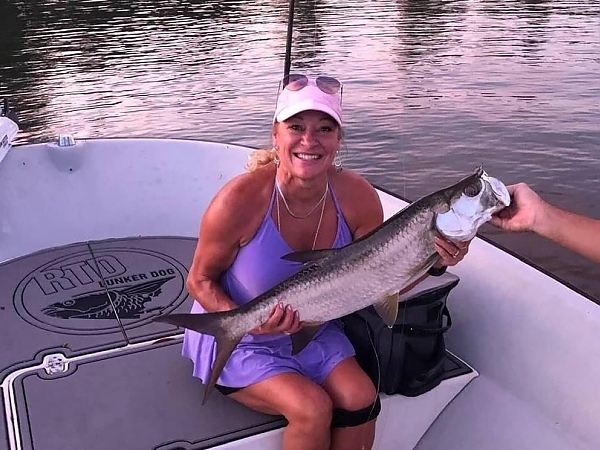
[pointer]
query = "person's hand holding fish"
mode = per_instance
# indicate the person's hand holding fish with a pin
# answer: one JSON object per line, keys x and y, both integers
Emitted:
{"x": 525, "y": 212}
{"x": 283, "y": 319}
{"x": 451, "y": 253}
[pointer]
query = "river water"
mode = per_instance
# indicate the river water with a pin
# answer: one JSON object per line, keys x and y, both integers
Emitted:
{"x": 431, "y": 88}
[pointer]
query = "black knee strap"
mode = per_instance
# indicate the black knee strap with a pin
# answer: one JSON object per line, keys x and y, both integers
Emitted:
{"x": 342, "y": 418}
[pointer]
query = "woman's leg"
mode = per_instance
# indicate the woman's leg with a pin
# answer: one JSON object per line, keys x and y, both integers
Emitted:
{"x": 304, "y": 404}
{"x": 351, "y": 390}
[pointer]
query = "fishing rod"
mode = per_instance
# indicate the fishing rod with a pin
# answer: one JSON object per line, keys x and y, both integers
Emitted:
{"x": 288, "y": 45}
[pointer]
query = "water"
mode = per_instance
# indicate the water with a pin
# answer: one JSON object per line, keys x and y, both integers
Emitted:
{"x": 431, "y": 88}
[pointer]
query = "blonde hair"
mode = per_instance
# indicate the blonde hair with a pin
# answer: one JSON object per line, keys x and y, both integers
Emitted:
{"x": 260, "y": 158}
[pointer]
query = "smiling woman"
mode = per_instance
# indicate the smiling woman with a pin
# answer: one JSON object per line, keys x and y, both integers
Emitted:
{"x": 294, "y": 197}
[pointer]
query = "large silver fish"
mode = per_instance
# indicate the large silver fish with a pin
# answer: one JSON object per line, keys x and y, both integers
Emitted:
{"x": 369, "y": 271}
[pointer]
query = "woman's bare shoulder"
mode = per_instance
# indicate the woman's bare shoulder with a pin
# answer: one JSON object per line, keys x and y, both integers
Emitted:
{"x": 242, "y": 202}
{"x": 358, "y": 200}
{"x": 246, "y": 188}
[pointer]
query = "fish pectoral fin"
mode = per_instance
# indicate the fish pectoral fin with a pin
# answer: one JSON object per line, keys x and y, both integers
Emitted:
{"x": 300, "y": 339}
{"x": 309, "y": 256}
{"x": 423, "y": 268}
{"x": 418, "y": 274}
{"x": 388, "y": 309}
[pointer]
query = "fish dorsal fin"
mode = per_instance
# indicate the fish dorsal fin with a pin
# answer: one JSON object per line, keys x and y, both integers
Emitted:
{"x": 300, "y": 339}
{"x": 309, "y": 256}
{"x": 388, "y": 309}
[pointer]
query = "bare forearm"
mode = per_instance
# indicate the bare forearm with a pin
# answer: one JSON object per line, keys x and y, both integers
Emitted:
{"x": 577, "y": 233}
{"x": 210, "y": 295}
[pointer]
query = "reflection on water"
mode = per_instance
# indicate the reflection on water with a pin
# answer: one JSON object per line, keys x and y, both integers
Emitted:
{"x": 432, "y": 88}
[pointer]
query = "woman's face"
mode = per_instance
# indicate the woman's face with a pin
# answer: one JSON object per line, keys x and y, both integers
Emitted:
{"x": 307, "y": 143}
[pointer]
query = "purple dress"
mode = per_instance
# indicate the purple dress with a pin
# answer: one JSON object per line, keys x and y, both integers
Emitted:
{"x": 258, "y": 267}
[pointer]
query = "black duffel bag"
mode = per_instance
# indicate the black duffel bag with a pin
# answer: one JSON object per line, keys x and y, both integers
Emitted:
{"x": 407, "y": 359}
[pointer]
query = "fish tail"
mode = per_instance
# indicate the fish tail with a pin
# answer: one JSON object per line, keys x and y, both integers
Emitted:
{"x": 215, "y": 325}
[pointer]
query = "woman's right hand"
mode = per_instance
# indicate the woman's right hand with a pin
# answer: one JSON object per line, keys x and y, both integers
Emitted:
{"x": 282, "y": 320}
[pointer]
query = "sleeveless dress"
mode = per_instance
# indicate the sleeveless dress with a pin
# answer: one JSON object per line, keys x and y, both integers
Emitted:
{"x": 258, "y": 267}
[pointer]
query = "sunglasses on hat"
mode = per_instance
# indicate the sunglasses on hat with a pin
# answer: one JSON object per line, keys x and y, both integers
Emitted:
{"x": 296, "y": 82}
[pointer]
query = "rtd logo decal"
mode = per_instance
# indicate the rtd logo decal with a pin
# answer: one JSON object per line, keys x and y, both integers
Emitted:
{"x": 77, "y": 294}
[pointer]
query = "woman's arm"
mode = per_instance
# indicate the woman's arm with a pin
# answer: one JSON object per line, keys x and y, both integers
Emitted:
{"x": 229, "y": 221}
{"x": 218, "y": 243}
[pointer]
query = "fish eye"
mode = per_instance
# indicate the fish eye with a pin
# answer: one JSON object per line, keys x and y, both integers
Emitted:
{"x": 473, "y": 189}
{"x": 69, "y": 302}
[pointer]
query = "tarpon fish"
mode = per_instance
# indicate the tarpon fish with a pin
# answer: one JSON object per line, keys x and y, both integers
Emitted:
{"x": 369, "y": 271}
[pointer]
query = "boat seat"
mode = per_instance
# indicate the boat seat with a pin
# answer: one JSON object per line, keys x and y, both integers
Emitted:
{"x": 480, "y": 417}
{"x": 78, "y": 371}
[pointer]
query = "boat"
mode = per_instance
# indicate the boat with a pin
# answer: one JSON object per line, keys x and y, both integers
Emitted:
{"x": 96, "y": 238}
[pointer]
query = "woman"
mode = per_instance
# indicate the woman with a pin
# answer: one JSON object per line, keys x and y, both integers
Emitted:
{"x": 293, "y": 198}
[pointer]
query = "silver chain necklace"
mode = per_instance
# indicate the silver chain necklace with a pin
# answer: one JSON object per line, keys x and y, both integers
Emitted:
{"x": 287, "y": 207}
{"x": 324, "y": 199}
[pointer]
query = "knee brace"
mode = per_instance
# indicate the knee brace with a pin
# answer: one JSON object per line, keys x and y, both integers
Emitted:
{"x": 342, "y": 418}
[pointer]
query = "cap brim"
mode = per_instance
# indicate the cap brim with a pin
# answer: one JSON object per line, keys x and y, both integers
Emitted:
{"x": 307, "y": 105}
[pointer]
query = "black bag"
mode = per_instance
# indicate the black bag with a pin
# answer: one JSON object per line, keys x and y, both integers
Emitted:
{"x": 409, "y": 358}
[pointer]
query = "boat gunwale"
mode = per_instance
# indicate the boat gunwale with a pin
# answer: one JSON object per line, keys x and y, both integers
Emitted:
{"x": 514, "y": 254}
{"x": 389, "y": 192}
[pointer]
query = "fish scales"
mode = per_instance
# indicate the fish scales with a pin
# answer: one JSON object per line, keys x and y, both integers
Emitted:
{"x": 347, "y": 282}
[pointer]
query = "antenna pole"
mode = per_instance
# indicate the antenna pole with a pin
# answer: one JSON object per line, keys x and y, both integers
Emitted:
{"x": 288, "y": 46}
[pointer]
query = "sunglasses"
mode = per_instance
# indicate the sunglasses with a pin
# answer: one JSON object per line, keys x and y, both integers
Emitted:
{"x": 296, "y": 82}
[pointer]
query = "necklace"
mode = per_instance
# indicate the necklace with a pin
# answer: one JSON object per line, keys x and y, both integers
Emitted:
{"x": 322, "y": 199}
{"x": 320, "y": 217}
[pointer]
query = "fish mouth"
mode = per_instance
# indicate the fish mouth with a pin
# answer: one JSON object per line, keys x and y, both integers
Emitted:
{"x": 469, "y": 212}
{"x": 498, "y": 188}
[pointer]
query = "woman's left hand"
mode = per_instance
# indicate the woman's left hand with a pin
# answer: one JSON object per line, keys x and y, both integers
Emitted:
{"x": 450, "y": 252}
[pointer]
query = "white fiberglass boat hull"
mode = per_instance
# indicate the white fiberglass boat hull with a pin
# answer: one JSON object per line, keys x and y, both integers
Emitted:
{"x": 532, "y": 340}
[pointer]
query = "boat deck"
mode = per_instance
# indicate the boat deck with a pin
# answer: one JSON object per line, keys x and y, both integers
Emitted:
{"x": 487, "y": 416}
{"x": 83, "y": 366}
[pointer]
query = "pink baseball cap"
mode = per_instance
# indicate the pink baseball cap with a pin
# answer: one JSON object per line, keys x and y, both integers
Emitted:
{"x": 304, "y": 94}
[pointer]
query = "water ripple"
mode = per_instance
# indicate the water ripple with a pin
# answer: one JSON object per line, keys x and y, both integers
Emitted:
{"x": 431, "y": 89}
